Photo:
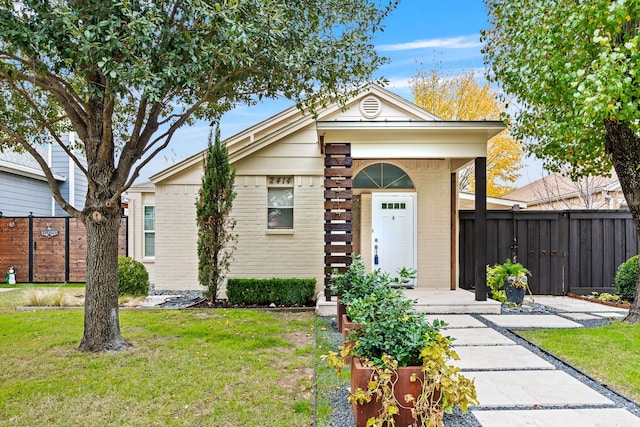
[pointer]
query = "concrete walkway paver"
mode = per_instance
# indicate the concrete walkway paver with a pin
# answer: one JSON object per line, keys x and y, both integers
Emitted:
{"x": 475, "y": 336}
{"x": 498, "y": 358}
{"x": 612, "y": 315}
{"x": 600, "y": 417}
{"x": 531, "y": 388}
{"x": 531, "y": 321}
{"x": 580, "y": 316}
{"x": 574, "y": 305}
{"x": 517, "y": 387}
{"x": 457, "y": 320}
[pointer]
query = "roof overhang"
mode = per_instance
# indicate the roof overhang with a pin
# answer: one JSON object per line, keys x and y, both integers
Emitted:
{"x": 492, "y": 202}
{"x": 27, "y": 172}
{"x": 411, "y": 139}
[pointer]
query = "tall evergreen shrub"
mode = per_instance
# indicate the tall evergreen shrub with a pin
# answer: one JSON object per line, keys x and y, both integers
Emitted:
{"x": 216, "y": 241}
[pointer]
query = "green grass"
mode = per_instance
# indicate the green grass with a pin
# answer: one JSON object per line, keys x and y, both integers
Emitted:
{"x": 42, "y": 285}
{"x": 609, "y": 354}
{"x": 187, "y": 368}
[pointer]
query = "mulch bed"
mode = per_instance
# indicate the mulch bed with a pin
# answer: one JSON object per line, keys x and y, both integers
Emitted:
{"x": 624, "y": 305}
{"x": 227, "y": 304}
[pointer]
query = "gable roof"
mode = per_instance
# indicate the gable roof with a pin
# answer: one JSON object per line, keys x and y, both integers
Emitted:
{"x": 291, "y": 120}
{"x": 559, "y": 187}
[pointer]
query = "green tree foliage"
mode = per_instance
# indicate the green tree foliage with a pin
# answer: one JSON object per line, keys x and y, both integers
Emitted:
{"x": 573, "y": 68}
{"x": 126, "y": 75}
{"x": 462, "y": 97}
{"x": 215, "y": 227}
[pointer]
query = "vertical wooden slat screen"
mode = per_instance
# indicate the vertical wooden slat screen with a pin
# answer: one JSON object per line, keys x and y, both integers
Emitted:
{"x": 338, "y": 214}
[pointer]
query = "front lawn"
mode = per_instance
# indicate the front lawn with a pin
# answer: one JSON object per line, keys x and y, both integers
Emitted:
{"x": 609, "y": 354}
{"x": 187, "y": 368}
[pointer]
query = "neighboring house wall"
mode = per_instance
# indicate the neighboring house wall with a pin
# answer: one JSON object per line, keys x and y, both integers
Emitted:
{"x": 24, "y": 189}
{"x": 74, "y": 188}
{"x": 21, "y": 195}
{"x": 140, "y": 196}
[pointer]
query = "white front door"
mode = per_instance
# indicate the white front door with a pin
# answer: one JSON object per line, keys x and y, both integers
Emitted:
{"x": 394, "y": 231}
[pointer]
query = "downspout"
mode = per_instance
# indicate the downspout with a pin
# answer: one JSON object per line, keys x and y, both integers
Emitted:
{"x": 72, "y": 174}
{"x": 49, "y": 163}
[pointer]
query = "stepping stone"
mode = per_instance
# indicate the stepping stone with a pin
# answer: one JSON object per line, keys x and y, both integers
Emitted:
{"x": 601, "y": 417}
{"x": 581, "y": 316}
{"x": 531, "y": 321}
{"x": 501, "y": 357}
{"x": 478, "y": 336}
{"x": 573, "y": 305}
{"x": 457, "y": 320}
{"x": 612, "y": 315}
{"x": 529, "y": 388}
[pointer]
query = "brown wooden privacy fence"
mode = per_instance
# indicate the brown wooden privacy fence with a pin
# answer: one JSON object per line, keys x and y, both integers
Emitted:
{"x": 567, "y": 251}
{"x": 47, "y": 249}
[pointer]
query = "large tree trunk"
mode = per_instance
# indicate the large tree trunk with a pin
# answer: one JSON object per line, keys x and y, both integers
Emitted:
{"x": 101, "y": 319}
{"x": 623, "y": 147}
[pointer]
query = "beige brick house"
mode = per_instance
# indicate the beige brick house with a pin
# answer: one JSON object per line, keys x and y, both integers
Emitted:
{"x": 377, "y": 178}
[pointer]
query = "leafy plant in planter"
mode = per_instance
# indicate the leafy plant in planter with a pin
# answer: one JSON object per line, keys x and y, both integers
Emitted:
{"x": 348, "y": 285}
{"x": 351, "y": 281}
{"x": 399, "y": 372}
{"x": 508, "y": 281}
{"x": 356, "y": 283}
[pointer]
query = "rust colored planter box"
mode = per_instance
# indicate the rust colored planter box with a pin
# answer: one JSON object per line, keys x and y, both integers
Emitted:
{"x": 360, "y": 377}
{"x": 347, "y": 325}
{"x": 342, "y": 310}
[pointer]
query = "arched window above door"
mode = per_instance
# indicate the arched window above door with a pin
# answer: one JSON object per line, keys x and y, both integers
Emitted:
{"x": 382, "y": 175}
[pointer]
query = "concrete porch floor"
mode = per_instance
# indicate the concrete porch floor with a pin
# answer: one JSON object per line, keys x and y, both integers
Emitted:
{"x": 430, "y": 301}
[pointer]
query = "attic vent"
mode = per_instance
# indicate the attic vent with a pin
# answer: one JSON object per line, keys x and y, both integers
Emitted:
{"x": 370, "y": 107}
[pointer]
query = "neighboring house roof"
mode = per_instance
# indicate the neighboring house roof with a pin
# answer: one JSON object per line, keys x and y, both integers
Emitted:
{"x": 327, "y": 122}
{"x": 25, "y": 165}
{"x": 556, "y": 187}
{"x": 143, "y": 187}
{"x": 467, "y": 201}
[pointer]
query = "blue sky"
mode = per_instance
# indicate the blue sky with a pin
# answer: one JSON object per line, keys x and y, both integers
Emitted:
{"x": 419, "y": 34}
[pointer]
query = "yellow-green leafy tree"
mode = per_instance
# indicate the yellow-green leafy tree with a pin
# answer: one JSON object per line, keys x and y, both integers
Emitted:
{"x": 462, "y": 97}
{"x": 574, "y": 67}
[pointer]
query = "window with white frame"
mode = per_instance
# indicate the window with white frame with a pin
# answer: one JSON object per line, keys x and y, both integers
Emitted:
{"x": 279, "y": 202}
{"x": 149, "y": 231}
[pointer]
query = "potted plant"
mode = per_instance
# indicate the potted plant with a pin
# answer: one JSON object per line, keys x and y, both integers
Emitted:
{"x": 356, "y": 283}
{"x": 508, "y": 281}
{"x": 400, "y": 373}
{"x": 347, "y": 285}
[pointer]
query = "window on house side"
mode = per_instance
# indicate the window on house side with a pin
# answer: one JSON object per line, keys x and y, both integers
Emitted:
{"x": 149, "y": 231}
{"x": 280, "y": 203}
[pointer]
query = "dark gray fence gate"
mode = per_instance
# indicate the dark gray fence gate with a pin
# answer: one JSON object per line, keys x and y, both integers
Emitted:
{"x": 567, "y": 251}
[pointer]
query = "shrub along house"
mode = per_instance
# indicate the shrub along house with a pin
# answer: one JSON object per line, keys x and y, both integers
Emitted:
{"x": 376, "y": 178}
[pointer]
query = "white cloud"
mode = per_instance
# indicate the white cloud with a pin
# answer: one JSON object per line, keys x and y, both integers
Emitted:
{"x": 461, "y": 42}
